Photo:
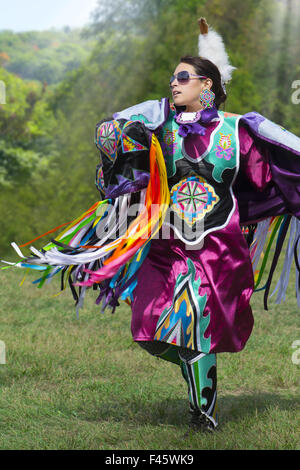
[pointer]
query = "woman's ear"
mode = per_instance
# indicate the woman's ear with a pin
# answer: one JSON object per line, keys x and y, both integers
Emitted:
{"x": 209, "y": 82}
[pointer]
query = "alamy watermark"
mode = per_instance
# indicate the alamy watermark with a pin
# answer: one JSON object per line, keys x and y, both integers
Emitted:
{"x": 296, "y": 354}
{"x": 2, "y": 92}
{"x": 2, "y": 352}
{"x": 296, "y": 95}
{"x": 116, "y": 222}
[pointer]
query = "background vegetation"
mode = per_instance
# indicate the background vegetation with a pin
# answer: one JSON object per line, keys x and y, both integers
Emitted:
{"x": 60, "y": 84}
{"x": 45, "y": 56}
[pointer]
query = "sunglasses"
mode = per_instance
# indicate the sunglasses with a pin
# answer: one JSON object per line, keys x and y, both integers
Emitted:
{"x": 184, "y": 77}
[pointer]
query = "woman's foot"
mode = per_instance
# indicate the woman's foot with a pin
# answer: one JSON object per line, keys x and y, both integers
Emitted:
{"x": 201, "y": 422}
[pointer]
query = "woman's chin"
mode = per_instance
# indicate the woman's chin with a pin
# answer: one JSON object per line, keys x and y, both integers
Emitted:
{"x": 178, "y": 101}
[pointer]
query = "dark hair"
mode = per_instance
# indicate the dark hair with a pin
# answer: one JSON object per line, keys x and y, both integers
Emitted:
{"x": 207, "y": 68}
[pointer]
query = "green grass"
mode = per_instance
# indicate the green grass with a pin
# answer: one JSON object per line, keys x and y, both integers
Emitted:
{"x": 82, "y": 383}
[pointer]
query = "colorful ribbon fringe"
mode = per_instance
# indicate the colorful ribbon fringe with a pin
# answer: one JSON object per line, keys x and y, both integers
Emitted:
{"x": 85, "y": 256}
{"x": 83, "y": 252}
{"x": 269, "y": 237}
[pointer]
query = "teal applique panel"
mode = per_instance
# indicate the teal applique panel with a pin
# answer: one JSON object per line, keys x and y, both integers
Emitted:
{"x": 171, "y": 144}
{"x": 224, "y": 152}
{"x": 183, "y": 324}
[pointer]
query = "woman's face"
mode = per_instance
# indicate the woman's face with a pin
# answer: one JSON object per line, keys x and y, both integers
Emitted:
{"x": 188, "y": 95}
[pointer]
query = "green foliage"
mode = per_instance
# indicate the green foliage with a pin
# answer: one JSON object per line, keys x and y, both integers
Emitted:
{"x": 43, "y": 55}
{"x": 17, "y": 164}
{"x": 25, "y": 120}
{"x": 20, "y": 98}
{"x": 125, "y": 57}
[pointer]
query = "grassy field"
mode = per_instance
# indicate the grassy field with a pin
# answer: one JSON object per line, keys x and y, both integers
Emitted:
{"x": 82, "y": 383}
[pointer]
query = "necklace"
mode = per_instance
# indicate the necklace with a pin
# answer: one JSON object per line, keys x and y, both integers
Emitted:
{"x": 188, "y": 118}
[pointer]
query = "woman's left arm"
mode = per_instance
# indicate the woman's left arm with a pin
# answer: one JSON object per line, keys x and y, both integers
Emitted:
{"x": 268, "y": 182}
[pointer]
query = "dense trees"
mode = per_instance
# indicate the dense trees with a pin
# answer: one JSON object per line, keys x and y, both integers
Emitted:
{"x": 47, "y": 151}
{"x": 43, "y": 55}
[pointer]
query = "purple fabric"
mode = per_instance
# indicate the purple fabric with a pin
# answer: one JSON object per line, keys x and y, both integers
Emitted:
{"x": 254, "y": 207}
{"x": 253, "y": 120}
{"x": 285, "y": 169}
{"x": 208, "y": 114}
{"x": 196, "y": 147}
{"x": 224, "y": 267}
{"x": 268, "y": 183}
{"x": 191, "y": 128}
{"x": 254, "y": 161}
{"x": 125, "y": 186}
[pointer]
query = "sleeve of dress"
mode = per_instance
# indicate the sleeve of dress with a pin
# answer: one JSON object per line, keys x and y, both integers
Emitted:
{"x": 267, "y": 189}
{"x": 268, "y": 183}
{"x": 257, "y": 194}
{"x": 124, "y": 157}
{"x": 254, "y": 161}
{"x": 106, "y": 245}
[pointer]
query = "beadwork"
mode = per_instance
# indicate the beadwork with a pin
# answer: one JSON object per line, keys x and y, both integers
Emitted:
{"x": 207, "y": 98}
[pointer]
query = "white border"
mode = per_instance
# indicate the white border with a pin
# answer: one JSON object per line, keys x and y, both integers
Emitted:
{"x": 237, "y": 168}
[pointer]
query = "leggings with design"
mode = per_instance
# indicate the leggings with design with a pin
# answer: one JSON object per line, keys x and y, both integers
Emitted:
{"x": 199, "y": 371}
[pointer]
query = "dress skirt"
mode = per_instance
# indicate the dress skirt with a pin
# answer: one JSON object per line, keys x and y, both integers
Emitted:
{"x": 198, "y": 299}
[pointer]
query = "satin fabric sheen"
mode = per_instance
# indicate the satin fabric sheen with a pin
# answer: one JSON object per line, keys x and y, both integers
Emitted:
{"x": 223, "y": 265}
{"x": 225, "y": 270}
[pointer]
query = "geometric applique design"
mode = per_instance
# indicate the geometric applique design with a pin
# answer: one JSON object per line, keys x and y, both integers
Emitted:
{"x": 100, "y": 179}
{"x": 171, "y": 144}
{"x": 224, "y": 149}
{"x": 192, "y": 198}
{"x": 201, "y": 377}
{"x": 169, "y": 139}
{"x": 183, "y": 323}
{"x": 131, "y": 145}
{"x": 108, "y": 136}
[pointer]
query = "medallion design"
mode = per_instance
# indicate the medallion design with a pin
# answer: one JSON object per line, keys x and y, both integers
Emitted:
{"x": 108, "y": 136}
{"x": 192, "y": 198}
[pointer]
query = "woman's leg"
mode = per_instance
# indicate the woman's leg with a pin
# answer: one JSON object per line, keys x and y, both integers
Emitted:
{"x": 199, "y": 371}
{"x": 165, "y": 351}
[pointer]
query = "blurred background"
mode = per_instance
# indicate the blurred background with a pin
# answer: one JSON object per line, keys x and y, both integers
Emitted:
{"x": 67, "y": 64}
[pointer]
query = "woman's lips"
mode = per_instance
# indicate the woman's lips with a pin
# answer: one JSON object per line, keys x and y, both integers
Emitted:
{"x": 176, "y": 93}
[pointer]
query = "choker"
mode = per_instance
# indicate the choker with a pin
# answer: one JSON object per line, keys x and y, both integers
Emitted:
{"x": 188, "y": 118}
{"x": 189, "y": 123}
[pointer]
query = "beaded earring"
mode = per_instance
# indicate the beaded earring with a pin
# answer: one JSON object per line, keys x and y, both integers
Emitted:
{"x": 207, "y": 98}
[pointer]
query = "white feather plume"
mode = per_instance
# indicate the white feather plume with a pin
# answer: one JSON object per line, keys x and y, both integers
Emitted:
{"x": 211, "y": 47}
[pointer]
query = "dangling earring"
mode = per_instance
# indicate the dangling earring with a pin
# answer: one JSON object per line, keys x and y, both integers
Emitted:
{"x": 207, "y": 98}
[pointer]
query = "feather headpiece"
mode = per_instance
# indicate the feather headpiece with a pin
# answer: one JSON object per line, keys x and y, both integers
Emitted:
{"x": 211, "y": 47}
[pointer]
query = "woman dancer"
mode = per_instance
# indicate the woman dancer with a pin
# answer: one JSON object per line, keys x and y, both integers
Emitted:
{"x": 196, "y": 175}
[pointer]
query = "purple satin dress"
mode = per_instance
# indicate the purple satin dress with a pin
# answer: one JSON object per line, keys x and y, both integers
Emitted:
{"x": 223, "y": 265}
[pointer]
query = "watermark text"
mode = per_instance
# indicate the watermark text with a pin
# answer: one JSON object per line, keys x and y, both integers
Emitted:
{"x": 296, "y": 354}
{"x": 2, "y": 353}
{"x": 296, "y": 94}
{"x": 2, "y": 92}
{"x": 116, "y": 222}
